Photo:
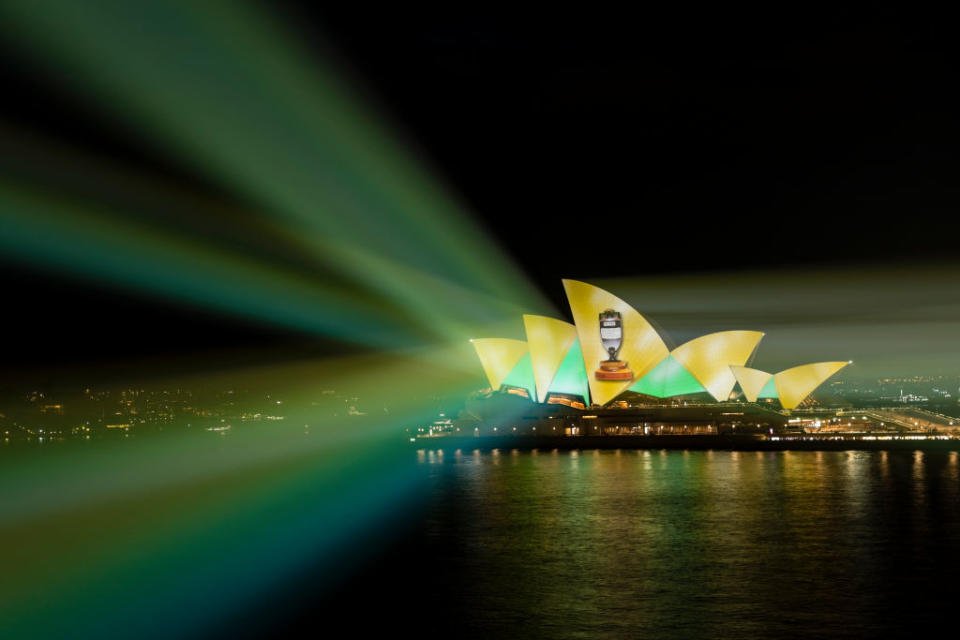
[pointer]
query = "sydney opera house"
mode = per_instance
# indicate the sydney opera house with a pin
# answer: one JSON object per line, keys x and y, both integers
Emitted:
{"x": 611, "y": 349}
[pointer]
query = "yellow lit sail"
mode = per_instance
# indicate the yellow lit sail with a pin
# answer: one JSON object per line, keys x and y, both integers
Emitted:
{"x": 709, "y": 358}
{"x": 795, "y": 384}
{"x": 549, "y": 340}
{"x": 642, "y": 346}
{"x": 619, "y": 347}
{"x": 751, "y": 381}
{"x": 499, "y": 356}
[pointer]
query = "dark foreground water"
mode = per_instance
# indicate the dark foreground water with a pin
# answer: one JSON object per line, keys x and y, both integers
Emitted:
{"x": 621, "y": 544}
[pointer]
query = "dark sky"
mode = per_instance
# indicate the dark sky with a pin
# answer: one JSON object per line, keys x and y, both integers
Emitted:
{"x": 699, "y": 142}
{"x": 592, "y": 146}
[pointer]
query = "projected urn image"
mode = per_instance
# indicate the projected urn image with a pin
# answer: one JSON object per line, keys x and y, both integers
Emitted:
{"x": 611, "y": 336}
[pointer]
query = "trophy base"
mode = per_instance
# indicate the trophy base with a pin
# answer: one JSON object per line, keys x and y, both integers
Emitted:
{"x": 614, "y": 370}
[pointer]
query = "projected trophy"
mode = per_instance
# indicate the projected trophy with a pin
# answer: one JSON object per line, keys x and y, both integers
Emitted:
{"x": 611, "y": 335}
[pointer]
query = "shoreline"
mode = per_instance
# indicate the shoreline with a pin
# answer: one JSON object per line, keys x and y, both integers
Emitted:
{"x": 688, "y": 442}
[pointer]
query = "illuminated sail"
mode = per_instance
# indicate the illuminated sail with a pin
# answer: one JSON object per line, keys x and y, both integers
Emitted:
{"x": 642, "y": 348}
{"x": 549, "y": 341}
{"x": 791, "y": 386}
{"x": 753, "y": 382}
{"x": 571, "y": 378}
{"x": 499, "y": 357}
{"x": 610, "y": 348}
{"x": 668, "y": 379}
{"x": 794, "y": 385}
{"x": 709, "y": 358}
{"x": 522, "y": 376}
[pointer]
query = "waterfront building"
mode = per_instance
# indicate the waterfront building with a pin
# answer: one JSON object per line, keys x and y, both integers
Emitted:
{"x": 610, "y": 349}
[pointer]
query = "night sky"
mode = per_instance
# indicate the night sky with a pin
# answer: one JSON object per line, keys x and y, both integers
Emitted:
{"x": 594, "y": 147}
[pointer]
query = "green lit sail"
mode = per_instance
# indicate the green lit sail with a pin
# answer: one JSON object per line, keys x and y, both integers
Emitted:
{"x": 522, "y": 376}
{"x": 667, "y": 379}
{"x": 769, "y": 390}
{"x": 571, "y": 377}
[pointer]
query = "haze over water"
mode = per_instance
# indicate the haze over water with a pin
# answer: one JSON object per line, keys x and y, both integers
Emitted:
{"x": 681, "y": 544}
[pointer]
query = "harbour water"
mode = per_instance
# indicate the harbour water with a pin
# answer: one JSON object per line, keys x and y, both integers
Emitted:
{"x": 718, "y": 544}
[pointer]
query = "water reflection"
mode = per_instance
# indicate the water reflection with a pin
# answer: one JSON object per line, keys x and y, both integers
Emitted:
{"x": 690, "y": 543}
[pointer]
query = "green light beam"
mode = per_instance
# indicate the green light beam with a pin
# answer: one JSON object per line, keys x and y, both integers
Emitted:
{"x": 222, "y": 90}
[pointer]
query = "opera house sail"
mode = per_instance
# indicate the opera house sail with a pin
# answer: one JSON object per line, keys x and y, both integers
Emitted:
{"x": 611, "y": 348}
